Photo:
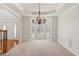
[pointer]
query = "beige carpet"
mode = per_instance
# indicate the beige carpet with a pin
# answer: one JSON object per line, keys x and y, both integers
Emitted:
{"x": 39, "y": 48}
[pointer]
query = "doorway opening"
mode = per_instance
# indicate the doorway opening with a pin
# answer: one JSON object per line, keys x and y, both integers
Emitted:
{"x": 42, "y": 32}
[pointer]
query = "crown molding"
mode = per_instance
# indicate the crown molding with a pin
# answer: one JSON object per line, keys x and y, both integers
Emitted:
{"x": 18, "y": 6}
{"x": 64, "y": 7}
{"x": 26, "y": 13}
{"x": 11, "y": 11}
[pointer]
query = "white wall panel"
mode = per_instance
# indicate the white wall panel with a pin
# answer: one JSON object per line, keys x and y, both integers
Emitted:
{"x": 68, "y": 29}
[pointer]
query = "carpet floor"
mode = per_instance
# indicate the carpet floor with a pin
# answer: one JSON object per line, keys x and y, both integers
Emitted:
{"x": 39, "y": 48}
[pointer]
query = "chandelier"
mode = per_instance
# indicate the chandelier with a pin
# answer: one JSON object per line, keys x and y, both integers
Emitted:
{"x": 39, "y": 19}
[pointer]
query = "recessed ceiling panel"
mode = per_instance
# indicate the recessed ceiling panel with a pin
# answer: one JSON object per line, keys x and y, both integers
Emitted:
{"x": 34, "y": 7}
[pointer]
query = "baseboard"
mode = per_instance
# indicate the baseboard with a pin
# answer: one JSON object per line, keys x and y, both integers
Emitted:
{"x": 68, "y": 49}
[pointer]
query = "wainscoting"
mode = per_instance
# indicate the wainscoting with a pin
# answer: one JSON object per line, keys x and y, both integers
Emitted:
{"x": 71, "y": 44}
{"x": 10, "y": 44}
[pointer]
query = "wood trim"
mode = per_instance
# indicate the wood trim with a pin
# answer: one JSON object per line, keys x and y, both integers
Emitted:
{"x": 10, "y": 44}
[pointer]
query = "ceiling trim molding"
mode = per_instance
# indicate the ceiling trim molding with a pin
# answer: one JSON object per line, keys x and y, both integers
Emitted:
{"x": 36, "y": 13}
{"x": 45, "y": 13}
{"x": 10, "y": 10}
{"x": 59, "y": 10}
{"x": 30, "y": 14}
{"x": 18, "y": 6}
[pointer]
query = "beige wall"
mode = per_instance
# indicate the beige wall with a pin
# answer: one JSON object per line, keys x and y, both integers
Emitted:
{"x": 18, "y": 29}
{"x": 25, "y": 28}
{"x": 26, "y": 34}
{"x": 68, "y": 29}
{"x": 54, "y": 28}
